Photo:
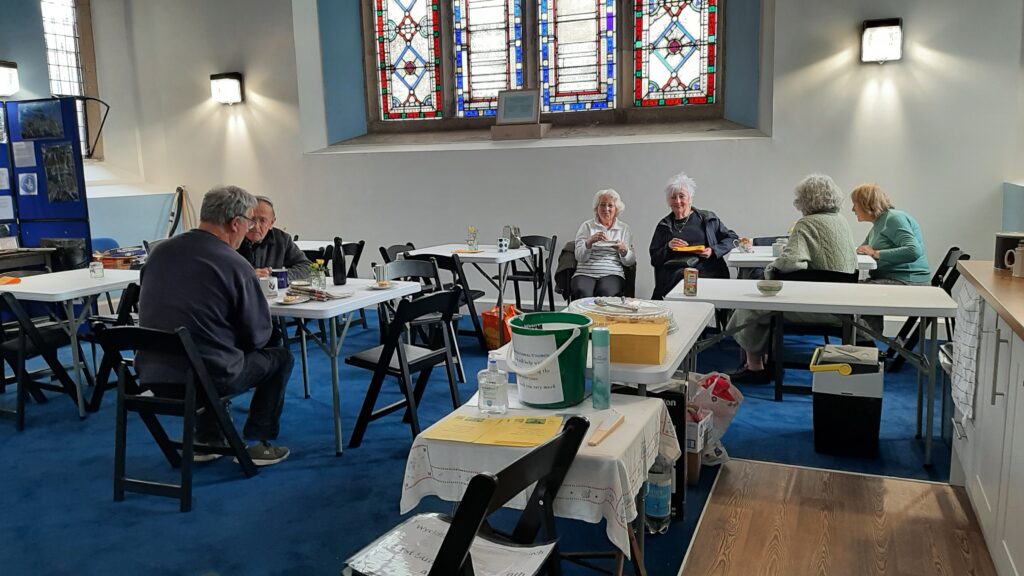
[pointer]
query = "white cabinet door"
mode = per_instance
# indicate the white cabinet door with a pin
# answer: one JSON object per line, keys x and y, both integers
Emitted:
{"x": 1008, "y": 553}
{"x": 983, "y": 482}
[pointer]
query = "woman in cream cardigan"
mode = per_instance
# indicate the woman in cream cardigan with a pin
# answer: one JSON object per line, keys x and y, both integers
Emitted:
{"x": 820, "y": 240}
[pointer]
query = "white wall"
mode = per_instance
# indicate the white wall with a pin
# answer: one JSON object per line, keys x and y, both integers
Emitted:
{"x": 156, "y": 62}
{"x": 939, "y": 130}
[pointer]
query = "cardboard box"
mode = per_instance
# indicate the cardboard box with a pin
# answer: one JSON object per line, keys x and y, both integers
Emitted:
{"x": 638, "y": 343}
{"x": 692, "y": 468}
{"x": 697, "y": 432}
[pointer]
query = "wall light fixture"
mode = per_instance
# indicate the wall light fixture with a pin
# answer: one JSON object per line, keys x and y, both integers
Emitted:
{"x": 882, "y": 40}
{"x": 227, "y": 88}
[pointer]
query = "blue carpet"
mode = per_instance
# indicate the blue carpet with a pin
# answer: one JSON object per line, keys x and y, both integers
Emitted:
{"x": 306, "y": 515}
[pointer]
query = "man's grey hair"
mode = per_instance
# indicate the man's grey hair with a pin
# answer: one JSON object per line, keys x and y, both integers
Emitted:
{"x": 818, "y": 193}
{"x": 268, "y": 202}
{"x": 222, "y": 204}
{"x": 620, "y": 206}
{"x": 681, "y": 182}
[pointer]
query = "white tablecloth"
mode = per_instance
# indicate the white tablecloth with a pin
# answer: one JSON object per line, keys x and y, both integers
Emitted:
{"x": 603, "y": 480}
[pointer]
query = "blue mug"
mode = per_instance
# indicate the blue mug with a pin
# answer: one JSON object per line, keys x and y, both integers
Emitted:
{"x": 282, "y": 277}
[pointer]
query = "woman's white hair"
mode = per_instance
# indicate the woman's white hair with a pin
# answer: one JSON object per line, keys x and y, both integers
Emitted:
{"x": 620, "y": 206}
{"x": 681, "y": 182}
{"x": 818, "y": 193}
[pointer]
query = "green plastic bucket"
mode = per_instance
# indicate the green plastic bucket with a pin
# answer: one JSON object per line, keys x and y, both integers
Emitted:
{"x": 549, "y": 357}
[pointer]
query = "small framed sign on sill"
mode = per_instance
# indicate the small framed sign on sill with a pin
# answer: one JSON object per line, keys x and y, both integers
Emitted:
{"x": 518, "y": 116}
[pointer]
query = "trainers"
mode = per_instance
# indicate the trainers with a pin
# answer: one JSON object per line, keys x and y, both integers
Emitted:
{"x": 263, "y": 454}
{"x": 209, "y": 456}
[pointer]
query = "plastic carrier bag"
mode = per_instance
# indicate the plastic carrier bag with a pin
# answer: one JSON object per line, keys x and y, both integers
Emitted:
{"x": 716, "y": 392}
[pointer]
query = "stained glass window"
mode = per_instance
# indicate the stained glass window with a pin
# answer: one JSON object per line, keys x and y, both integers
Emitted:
{"x": 408, "y": 58}
{"x": 577, "y": 55}
{"x": 674, "y": 52}
{"x": 488, "y": 53}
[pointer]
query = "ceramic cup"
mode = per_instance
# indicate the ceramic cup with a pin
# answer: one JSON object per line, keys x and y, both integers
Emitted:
{"x": 1014, "y": 260}
{"x": 269, "y": 286}
{"x": 502, "y": 244}
{"x": 282, "y": 277}
{"x": 380, "y": 274}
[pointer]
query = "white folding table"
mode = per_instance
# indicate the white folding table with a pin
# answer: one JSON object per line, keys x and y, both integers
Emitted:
{"x": 363, "y": 295}
{"x": 929, "y": 303}
{"x": 65, "y": 288}
{"x": 488, "y": 254}
{"x": 690, "y": 317}
{"x": 762, "y": 256}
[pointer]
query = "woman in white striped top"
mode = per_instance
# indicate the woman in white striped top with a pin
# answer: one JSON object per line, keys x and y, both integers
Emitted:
{"x": 604, "y": 248}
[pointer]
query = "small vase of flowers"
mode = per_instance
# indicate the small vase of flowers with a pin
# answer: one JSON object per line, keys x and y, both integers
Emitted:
{"x": 318, "y": 275}
{"x": 471, "y": 237}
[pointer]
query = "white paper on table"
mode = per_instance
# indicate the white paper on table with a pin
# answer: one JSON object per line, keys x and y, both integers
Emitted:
{"x": 6, "y": 207}
{"x": 24, "y": 154}
{"x": 5, "y": 179}
{"x": 409, "y": 550}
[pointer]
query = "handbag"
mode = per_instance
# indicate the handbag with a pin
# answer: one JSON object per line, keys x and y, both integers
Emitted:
{"x": 512, "y": 233}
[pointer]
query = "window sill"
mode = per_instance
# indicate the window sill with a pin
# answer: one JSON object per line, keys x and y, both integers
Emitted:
{"x": 104, "y": 181}
{"x": 558, "y": 137}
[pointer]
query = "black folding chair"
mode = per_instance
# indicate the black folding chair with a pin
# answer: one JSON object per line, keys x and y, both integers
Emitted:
{"x": 537, "y": 272}
{"x": 184, "y": 399}
{"x": 127, "y": 308}
{"x": 545, "y": 467}
{"x": 946, "y": 275}
{"x": 391, "y": 253}
{"x": 781, "y": 327}
{"x": 31, "y": 341}
{"x": 395, "y": 358}
{"x": 453, "y": 265}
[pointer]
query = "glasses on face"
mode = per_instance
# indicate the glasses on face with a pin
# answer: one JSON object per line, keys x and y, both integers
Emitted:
{"x": 250, "y": 223}
{"x": 263, "y": 221}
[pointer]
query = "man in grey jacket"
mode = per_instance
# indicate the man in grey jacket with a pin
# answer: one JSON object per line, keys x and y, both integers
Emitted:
{"x": 266, "y": 247}
{"x": 198, "y": 280}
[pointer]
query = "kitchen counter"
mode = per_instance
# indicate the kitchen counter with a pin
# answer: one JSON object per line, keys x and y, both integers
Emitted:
{"x": 999, "y": 289}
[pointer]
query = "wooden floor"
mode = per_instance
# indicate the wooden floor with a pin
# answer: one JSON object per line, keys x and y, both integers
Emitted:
{"x": 770, "y": 519}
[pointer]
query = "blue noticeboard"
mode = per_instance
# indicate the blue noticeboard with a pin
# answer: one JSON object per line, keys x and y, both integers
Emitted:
{"x": 48, "y": 180}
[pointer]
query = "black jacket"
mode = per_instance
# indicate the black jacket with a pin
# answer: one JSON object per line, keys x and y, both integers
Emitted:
{"x": 668, "y": 266}
{"x": 277, "y": 250}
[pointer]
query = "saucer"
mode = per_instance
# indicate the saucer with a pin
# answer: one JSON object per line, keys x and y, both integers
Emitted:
{"x": 379, "y": 287}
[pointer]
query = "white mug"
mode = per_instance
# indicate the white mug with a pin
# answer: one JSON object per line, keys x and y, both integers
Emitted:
{"x": 269, "y": 285}
{"x": 502, "y": 244}
{"x": 1014, "y": 260}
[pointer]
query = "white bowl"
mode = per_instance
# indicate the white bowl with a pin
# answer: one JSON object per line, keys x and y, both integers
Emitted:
{"x": 769, "y": 287}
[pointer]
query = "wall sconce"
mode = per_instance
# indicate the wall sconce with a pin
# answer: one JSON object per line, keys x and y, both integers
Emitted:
{"x": 882, "y": 40}
{"x": 9, "y": 84}
{"x": 227, "y": 88}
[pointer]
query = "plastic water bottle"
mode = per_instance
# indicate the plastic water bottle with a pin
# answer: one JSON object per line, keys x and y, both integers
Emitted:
{"x": 601, "y": 391}
{"x": 492, "y": 396}
{"x": 659, "y": 496}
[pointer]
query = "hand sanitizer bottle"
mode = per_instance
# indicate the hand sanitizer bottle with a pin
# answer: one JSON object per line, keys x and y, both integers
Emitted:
{"x": 601, "y": 389}
{"x": 492, "y": 397}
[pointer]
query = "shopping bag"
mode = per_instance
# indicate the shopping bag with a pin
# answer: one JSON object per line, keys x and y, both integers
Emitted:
{"x": 716, "y": 392}
{"x": 491, "y": 323}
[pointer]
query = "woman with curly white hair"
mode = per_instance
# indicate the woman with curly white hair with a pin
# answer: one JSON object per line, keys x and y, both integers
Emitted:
{"x": 686, "y": 226}
{"x": 604, "y": 248}
{"x": 820, "y": 240}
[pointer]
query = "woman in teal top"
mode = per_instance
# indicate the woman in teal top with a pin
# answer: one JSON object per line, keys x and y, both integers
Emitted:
{"x": 894, "y": 240}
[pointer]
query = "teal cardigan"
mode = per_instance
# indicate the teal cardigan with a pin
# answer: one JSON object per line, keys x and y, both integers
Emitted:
{"x": 897, "y": 237}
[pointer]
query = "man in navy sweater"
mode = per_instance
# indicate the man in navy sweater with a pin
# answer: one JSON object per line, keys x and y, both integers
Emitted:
{"x": 199, "y": 281}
